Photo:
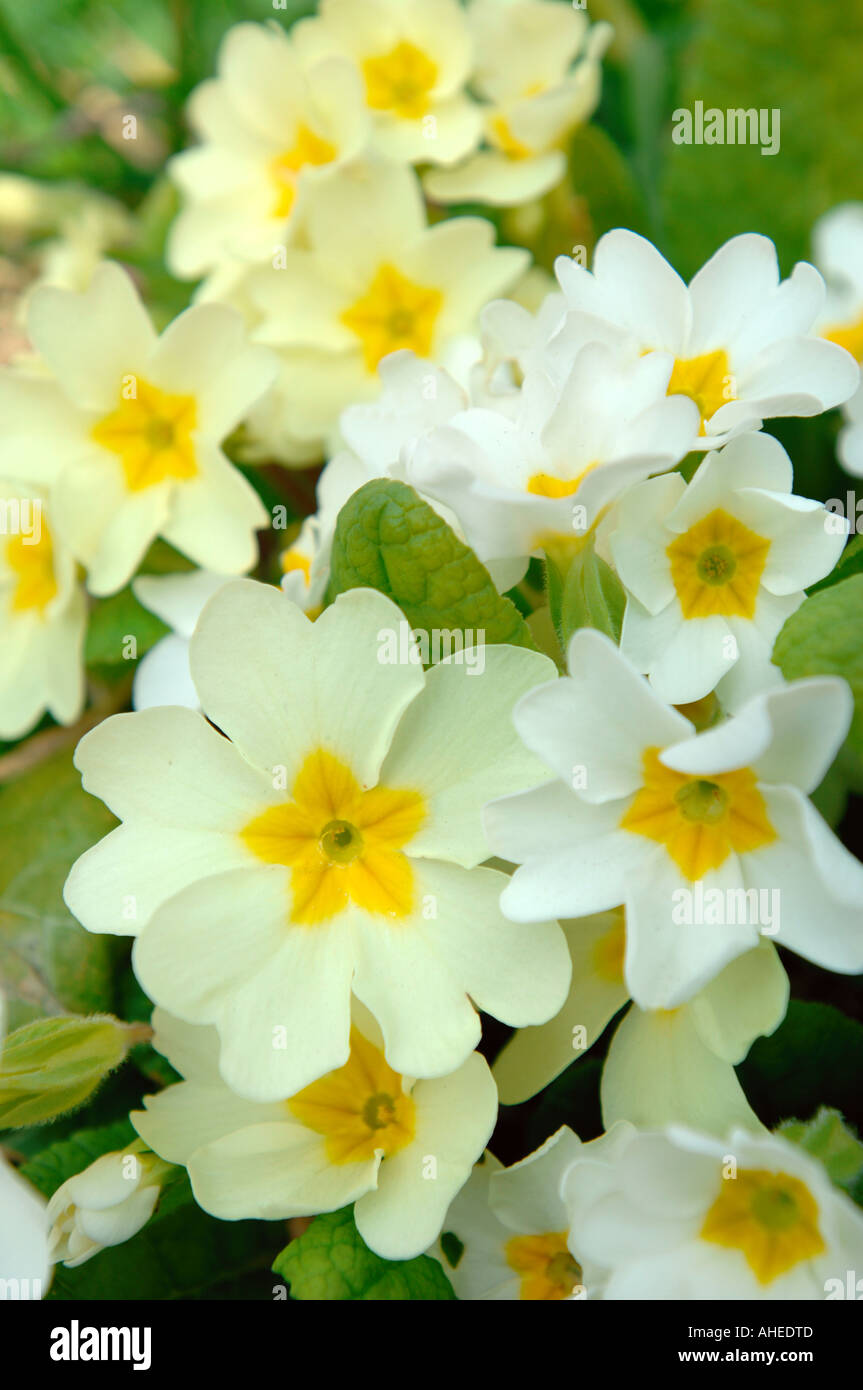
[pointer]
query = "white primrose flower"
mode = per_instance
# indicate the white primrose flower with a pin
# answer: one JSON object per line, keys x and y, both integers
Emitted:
{"x": 538, "y": 73}
{"x": 664, "y": 1066}
{"x": 681, "y": 1215}
{"x": 124, "y": 438}
{"x": 269, "y": 124}
{"x": 414, "y": 58}
{"x": 514, "y": 1227}
{"x": 24, "y": 1259}
{"x": 400, "y": 1149}
{"x": 106, "y": 1204}
{"x": 539, "y": 476}
{"x": 162, "y": 676}
{"x": 43, "y": 617}
{"x": 326, "y": 845}
{"x": 371, "y": 278}
{"x": 713, "y": 569}
{"x": 838, "y": 245}
{"x": 684, "y": 829}
{"x": 741, "y": 340}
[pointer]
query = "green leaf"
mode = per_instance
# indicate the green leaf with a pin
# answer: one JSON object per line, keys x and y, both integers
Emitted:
{"x": 832, "y": 1142}
{"x": 120, "y": 630}
{"x": 593, "y": 596}
{"x": 54, "y": 1065}
{"x": 387, "y": 538}
{"x": 800, "y": 59}
{"x": 330, "y": 1261}
{"x": 814, "y": 1058}
{"x": 823, "y": 637}
{"x": 48, "y": 963}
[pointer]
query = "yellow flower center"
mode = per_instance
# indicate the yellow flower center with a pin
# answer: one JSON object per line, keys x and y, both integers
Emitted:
{"x": 285, "y": 169}
{"x": 771, "y": 1217}
{"x": 400, "y": 81}
{"x": 342, "y": 844}
{"x": 547, "y": 1270}
{"x": 32, "y": 563}
{"x": 609, "y": 951}
{"x": 394, "y": 313}
{"x": 360, "y": 1109}
{"x": 849, "y": 336}
{"x": 707, "y": 380}
{"x": 699, "y": 820}
{"x": 151, "y": 433}
{"x": 716, "y": 567}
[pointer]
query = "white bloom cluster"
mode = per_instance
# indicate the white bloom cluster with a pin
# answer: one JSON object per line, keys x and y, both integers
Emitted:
{"x": 335, "y": 852}
{"x": 311, "y": 911}
{"x": 670, "y": 1214}
{"x": 303, "y": 204}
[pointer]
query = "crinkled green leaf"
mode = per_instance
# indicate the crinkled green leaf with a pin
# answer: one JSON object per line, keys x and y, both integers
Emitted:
{"x": 387, "y": 538}
{"x": 832, "y": 1142}
{"x": 825, "y": 637}
{"x": 330, "y": 1261}
{"x": 802, "y": 59}
{"x": 53, "y": 1065}
{"x": 48, "y": 962}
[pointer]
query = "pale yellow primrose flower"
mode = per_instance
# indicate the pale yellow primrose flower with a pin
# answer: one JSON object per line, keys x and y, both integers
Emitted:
{"x": 663, "y": 1066}
{"x": 373, "y": 278}
{"x": 327, "y": 845}
{"x": 682, "y": 1215}
{"x": 124, "y": 437}
{"x": 43, "y": 617}
{"x": 538, "y": 72}
{"x": 269, "y": 124}
{"x": 414, "y": 58}
{"x": 400, "y": 1149}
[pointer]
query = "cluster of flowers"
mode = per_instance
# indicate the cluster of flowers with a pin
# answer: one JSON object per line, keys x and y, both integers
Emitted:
{"x": 306, "y": 828}
{"x": 303, "y": 205}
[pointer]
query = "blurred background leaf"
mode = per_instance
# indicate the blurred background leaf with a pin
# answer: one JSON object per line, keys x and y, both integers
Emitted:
{"x": 802, "y": 59}
{"x": 48, "y": 962}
